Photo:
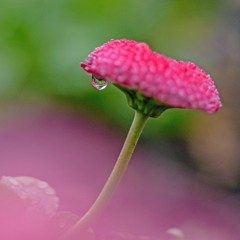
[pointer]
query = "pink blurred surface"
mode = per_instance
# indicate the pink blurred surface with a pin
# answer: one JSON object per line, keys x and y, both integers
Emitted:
{"x": 75, "y": 155}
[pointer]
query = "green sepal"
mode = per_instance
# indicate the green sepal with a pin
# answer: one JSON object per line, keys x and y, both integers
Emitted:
{"x": 147, "y": 105}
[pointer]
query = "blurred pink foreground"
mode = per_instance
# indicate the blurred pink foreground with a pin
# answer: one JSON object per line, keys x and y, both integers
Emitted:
{"x": 75, "y": 155}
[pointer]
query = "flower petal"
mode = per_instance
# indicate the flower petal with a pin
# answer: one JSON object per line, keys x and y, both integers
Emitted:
{"x": 134, "y": 65}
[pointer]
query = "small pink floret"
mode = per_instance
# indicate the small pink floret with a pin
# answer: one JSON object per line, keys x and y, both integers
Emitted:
{"x": 27, "y": 205}
{"x": 134, "y": 65}
{"x": 40, "y": 198}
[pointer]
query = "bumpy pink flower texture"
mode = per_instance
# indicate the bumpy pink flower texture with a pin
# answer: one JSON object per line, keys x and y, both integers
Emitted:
{"x": 134, "y": 65}
{"x": 26, "y": 205}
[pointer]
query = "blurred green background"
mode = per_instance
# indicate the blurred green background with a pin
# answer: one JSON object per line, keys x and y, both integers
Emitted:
{"x": 42, "y": 43}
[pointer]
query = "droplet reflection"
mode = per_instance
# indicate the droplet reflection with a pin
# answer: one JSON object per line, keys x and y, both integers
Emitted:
{"x": 98, "y": 83}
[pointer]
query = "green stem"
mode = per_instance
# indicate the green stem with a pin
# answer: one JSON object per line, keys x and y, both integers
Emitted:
{"x": 114, "y": 178}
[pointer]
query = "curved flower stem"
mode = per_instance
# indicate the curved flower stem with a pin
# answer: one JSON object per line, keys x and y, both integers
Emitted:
{"x": 114, "y": 178}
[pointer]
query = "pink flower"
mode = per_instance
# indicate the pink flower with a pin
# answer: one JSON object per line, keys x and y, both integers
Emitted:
{"x": 26, "y": 204}
{"x": 133, "y": 65}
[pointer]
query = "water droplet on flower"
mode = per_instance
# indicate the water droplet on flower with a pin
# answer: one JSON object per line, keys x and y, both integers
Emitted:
{"x": 99, "y": 83}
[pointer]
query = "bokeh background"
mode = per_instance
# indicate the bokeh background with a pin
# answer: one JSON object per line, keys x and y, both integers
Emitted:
{"x": 42, "y": 87}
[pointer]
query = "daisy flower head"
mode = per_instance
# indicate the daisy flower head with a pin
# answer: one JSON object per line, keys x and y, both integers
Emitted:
{"x": 151, "y": 81}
